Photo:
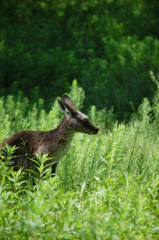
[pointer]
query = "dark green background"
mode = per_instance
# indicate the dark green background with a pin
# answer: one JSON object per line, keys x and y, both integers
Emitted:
{"x": 108, "y": 46}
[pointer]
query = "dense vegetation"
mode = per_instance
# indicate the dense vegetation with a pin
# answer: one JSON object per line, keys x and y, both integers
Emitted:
{"x": 108, "y": 46}
{"x": 106, "y": 187}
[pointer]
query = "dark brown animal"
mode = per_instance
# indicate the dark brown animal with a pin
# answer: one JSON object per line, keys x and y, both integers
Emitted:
{"x": 55, "y": 143}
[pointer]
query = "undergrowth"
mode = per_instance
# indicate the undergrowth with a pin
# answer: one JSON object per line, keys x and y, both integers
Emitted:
{"x": 106, "y": 187}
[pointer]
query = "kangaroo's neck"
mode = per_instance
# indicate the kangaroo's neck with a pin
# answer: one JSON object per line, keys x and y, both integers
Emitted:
{"x": 65, "y": 127}
{"x": 62, "y": 138}
{"x": 64, "y": 130}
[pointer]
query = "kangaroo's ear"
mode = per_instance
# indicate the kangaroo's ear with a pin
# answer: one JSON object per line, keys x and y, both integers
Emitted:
{"x": 61, "y": 105}
{"x": 66, "y": 108}
{"x": 69, "y": 102}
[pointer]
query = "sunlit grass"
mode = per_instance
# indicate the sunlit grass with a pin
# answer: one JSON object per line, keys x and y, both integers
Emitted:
{"x": 106, "y": 187}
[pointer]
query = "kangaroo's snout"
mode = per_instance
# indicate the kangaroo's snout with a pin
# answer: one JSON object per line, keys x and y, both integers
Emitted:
{"x": 96, "y": 130}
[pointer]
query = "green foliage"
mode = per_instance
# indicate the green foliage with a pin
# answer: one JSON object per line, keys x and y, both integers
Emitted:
{"x": 108, "y": 46}
{"x": 106, "y": 187}
{"x": 77, "y": 94}
{"x": 155, "y": 79}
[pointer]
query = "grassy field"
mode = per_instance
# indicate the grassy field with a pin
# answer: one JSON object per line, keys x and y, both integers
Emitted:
{"x": 106, "y": 187}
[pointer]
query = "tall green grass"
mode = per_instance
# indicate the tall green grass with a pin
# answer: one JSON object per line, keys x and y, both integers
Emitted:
{"x": 106, "y": 187}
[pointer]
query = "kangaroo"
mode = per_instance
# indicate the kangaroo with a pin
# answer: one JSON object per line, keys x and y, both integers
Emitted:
{"x": 55, "y": 143}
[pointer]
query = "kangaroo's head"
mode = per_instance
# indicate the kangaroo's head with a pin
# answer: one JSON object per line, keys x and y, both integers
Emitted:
{"x": 78, "y": 122}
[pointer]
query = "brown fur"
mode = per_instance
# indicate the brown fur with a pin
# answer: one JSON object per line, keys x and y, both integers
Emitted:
{"x": 55, "y": 143}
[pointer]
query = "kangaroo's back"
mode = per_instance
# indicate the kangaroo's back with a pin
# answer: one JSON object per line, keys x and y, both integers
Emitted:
{"x": 21, "y": 137}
